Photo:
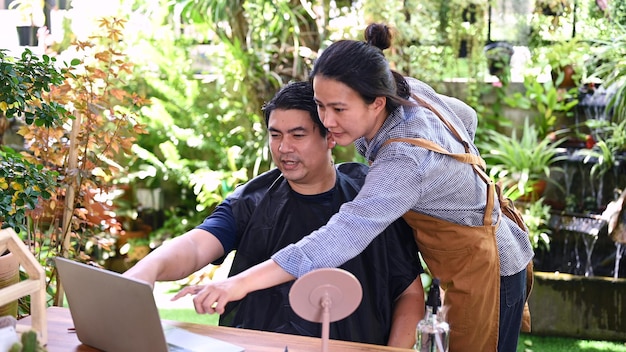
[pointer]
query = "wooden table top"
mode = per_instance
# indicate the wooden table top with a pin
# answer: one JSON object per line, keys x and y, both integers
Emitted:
{"x": 62, "y": 339}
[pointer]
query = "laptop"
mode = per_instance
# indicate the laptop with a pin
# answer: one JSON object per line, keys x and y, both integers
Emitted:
{"x": 115, "y": 313}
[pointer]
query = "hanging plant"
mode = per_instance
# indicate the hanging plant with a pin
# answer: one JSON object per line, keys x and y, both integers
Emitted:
{"x": 499, "y": 58}
{"x": 553, "y": 7}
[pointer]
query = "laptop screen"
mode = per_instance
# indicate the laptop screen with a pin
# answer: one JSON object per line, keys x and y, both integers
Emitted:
{"x": 112, "y": 312}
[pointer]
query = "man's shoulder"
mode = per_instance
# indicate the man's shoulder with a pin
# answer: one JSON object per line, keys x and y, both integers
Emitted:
{"x": 260, "y": 183}
{"x": 353, "y": 169}
{"x": 351, "y": 175}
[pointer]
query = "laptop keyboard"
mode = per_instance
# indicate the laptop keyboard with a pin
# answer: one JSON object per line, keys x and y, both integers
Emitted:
{"x": 181, "y": 340}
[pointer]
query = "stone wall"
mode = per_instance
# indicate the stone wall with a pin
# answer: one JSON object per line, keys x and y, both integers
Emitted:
{"x": 579, "y": 307}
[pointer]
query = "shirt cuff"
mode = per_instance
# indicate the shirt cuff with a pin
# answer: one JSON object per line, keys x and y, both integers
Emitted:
{"x": 293, "y": 260}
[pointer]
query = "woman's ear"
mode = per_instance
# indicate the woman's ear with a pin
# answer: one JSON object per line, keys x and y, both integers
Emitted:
{"x": 379, "y": 104}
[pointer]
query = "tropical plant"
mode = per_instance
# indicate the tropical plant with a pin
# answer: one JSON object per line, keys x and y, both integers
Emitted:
{"x": 610, "y": 67}
{"x": 611, "y": 142}
{"x": 205, "y": 123}
{"x": 25, "y": 84}
{"x": 568, "y": 61}
{"x": 434, "y": 40}
{"x": 544, "y": 102}
{"x": 551, "y": 21}
{"x": 520, "y": 163}
{"x": 537, "y": 217}
{"x": 25, "y": 81}
{"x": 617, "y": 11}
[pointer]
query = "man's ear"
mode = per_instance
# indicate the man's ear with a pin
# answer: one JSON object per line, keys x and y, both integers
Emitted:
{"x": 330, "y": 140}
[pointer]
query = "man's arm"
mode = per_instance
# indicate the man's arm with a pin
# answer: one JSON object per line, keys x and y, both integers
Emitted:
{"x": 178, "y": 258}
{"x": 408, "y": 310}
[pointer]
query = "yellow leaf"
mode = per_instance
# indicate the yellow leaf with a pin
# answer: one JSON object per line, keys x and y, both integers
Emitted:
{"x": 24, "y": 131}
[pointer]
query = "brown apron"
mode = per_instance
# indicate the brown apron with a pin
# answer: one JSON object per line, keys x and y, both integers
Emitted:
{"x": 466, "y": 261}
{"x": 464, "y": 258}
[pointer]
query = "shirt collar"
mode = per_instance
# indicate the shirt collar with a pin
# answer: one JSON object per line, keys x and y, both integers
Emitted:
{"x": 369, "y": 150}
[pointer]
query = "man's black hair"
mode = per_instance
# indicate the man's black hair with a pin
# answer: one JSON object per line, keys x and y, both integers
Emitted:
{"x": 295, "y": 96}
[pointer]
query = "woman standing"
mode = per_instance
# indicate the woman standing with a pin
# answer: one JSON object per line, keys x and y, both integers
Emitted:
{"x": 479, "y": 256}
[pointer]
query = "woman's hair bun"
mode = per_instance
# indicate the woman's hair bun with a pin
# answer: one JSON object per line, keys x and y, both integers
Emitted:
{"x": 378, "y": 35}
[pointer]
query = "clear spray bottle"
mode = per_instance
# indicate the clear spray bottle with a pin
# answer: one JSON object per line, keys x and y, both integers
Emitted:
{"x": 432, "y": 333}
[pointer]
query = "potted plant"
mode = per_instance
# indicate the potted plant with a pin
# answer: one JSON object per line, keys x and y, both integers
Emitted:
{"x": 22, "y": 183}
{"x": 567, "y": 60}
{"x": 30, "y": 18}
{"x": 545, "y": 103}
{"x": 29, "y": 342}
{"x": 553, "y": 7}
{"x": 499, "y": 58}
{"x": 86, "y": 149}
{"x": 523, "y": 164}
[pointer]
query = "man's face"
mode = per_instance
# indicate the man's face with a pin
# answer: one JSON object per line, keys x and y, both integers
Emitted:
{"x": 297, "y": 147}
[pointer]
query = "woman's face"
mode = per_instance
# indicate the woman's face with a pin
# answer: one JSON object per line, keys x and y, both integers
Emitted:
{"x": 344, "y": 113}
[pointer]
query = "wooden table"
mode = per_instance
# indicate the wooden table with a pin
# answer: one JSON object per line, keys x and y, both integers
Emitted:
{"x": 61, "y": 339}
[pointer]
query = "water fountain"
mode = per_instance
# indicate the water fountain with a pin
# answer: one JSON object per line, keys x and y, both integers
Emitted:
{"x": 593, "y": 99}
{"x": 580, "y": 204}
{"x": 580, "y": 282}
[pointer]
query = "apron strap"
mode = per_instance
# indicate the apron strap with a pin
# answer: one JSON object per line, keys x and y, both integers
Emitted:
{"x": 467, "y": 158}
{"x": 443, "y": 119}
{"x": 477, "y": 163}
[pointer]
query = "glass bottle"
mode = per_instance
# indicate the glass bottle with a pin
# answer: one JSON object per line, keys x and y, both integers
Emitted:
{"x": 432, "y": 333}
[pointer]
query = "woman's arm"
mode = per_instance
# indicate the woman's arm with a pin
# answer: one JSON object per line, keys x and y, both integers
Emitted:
{"x": 212, "y": 298}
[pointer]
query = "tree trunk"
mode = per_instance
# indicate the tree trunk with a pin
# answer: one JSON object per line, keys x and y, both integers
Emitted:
{"x": 68, "y": 210}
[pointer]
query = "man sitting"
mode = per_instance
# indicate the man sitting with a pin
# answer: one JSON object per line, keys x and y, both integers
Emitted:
{"x": 280, "y": 207}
